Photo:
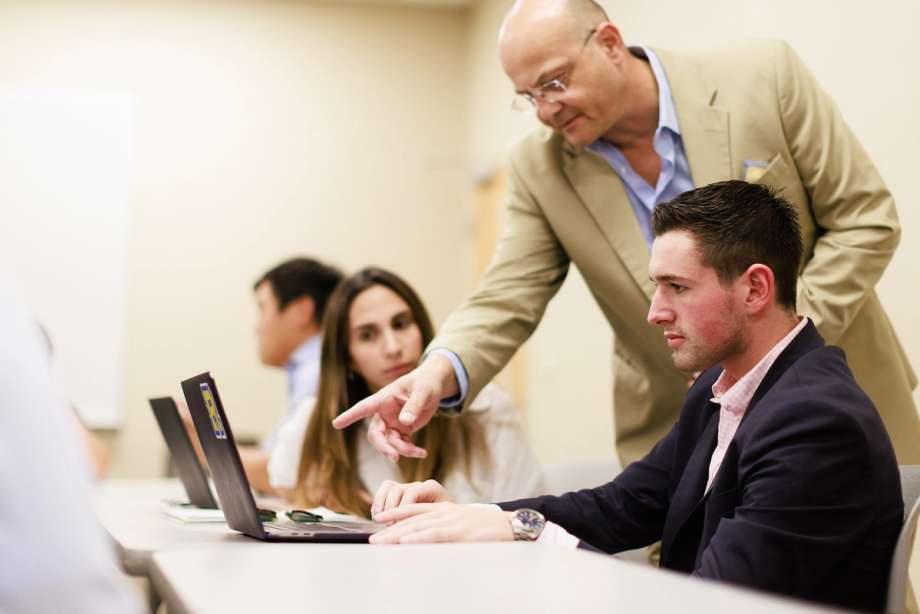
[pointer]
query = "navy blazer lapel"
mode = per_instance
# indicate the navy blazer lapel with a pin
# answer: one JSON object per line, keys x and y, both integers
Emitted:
{"x": 807, "y": 340}
{"x": 692, "y": 484}
{"x": 690, "y": 491}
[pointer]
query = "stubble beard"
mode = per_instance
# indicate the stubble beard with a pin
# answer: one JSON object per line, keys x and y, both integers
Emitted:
{"x": 692, "y": 358}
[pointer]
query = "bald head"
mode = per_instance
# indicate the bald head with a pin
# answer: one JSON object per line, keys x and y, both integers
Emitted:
{"x": 570, "y": 63}
{"x": 578, "y": 16}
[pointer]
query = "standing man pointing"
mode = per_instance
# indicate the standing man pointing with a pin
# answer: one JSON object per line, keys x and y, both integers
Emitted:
{"x": 626, "y": 129}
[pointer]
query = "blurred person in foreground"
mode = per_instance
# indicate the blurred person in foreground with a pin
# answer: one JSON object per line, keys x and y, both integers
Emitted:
{"x": 57, "y": 557}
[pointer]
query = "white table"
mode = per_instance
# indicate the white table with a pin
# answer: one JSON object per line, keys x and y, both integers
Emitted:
{"x": 454, "y": 578}
{"x": 132, "y": 513}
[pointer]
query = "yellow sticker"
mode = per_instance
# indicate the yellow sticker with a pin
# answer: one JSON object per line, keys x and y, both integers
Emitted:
{"x": 216, "y": 424}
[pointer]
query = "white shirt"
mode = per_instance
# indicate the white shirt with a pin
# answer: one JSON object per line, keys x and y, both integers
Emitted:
{"x": 514, "y": 472}
{"x": 56, "y": 556}
{"x": 302, "y": 369}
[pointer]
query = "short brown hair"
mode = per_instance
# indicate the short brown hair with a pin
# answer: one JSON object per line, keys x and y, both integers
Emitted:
{"x": 737, "y": 224}
{"x": 299, "y": 277}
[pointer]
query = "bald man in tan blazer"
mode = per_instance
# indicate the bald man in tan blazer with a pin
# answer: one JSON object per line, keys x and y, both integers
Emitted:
{"x": 751, "y": 111}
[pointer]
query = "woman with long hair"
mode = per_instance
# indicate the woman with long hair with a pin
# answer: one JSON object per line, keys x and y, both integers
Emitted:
{"x": 375, "y": 330}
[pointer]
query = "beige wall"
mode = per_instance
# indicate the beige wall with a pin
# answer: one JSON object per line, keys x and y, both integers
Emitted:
{"x": 266, "y": 129}
{"x": 263, "y": 130}
{"x": 864, "y": 56}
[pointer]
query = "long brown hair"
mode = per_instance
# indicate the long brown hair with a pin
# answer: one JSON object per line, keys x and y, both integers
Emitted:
{"x": 328, "y": 471}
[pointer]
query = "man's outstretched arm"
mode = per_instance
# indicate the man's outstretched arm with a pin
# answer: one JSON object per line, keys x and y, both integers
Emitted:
{"x": 528, "y": 268}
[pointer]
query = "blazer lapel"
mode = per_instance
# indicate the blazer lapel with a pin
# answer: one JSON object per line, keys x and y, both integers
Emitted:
{"x": 603, "y": 194}
{"x": 692, "y": 483}
{"x": 807, "y": 340}
{"x": 703, "y": 127}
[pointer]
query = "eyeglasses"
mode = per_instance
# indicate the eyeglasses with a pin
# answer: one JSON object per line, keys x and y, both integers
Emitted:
{"x": 303, "y": 516}
{"x": 551, "y": 91}
{"x": 295, "y": 515}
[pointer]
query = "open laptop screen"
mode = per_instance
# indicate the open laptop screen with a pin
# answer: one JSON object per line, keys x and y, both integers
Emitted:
{"x": 227, "y": 471}
{"x": 190, "y": 471}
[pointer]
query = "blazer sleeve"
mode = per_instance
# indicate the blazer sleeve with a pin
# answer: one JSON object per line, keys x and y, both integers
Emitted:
{"x": 806, "y": 496}
{"x": 527, "y": 269}
{"x": 626, "y": 513}
{"x": 852, "y": 207}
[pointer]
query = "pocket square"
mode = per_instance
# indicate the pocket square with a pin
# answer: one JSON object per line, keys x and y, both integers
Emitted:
{"x": 753, "y": 170}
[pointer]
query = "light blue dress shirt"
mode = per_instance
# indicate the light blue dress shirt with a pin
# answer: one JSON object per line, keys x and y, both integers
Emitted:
{"x": 673, "y": 180}
{"x": 302, "y": 369}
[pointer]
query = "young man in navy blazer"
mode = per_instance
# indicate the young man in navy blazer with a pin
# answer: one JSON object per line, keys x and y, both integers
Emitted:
{"x": 778, "y": 475}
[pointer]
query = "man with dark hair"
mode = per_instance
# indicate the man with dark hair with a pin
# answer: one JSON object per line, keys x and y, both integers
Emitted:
{"x": 778, "y": 474}
{"x": 624, "y": 129}
{"x": 291, "y": 298}
{"x": 737, "y": 224}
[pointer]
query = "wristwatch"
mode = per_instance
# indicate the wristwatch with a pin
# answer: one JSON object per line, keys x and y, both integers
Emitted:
{"x": 527, "y": 524}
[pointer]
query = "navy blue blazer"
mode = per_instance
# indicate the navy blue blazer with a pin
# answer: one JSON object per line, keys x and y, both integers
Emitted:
{"x": 807, "y": 501}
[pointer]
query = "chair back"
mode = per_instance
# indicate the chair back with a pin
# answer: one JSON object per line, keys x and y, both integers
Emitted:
{"x": 567, "y": 477}
{"x": 897, "y": 582}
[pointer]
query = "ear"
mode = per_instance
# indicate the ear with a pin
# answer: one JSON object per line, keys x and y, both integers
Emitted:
{"x": 304, "y": 310}
{"x": 760, "y": 287}
{"x": 610, "y": 40}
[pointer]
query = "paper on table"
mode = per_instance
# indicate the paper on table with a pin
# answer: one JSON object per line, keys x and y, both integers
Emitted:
{"x": 189, "y": 513}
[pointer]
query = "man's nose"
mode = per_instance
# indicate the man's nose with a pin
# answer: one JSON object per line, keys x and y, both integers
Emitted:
{"x": 547, "y": 110}
{"x": 658, "y": 312}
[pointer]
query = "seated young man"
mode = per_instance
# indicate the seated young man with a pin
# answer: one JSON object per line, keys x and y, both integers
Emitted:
{"x": 291, "y": 298}
{"x": 778, "y": 474}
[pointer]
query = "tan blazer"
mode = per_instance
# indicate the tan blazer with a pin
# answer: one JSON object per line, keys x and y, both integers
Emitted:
{"x": 753, "y": 101}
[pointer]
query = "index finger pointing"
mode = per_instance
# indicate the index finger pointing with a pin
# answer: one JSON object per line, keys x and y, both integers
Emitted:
{"x": 364, "y": 408}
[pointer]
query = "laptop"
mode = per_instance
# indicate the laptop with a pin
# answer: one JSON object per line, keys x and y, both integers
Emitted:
{"x": 191, "y": 473}
{"x": 231, "y": 483}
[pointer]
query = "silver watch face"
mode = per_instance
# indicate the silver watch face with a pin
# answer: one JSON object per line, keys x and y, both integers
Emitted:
{"x": 530, "y": 519}
{"x": 527, "y": 524}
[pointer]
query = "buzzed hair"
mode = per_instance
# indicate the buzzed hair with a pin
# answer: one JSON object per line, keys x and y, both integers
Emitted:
{"x": 736, "y": 224}
{"x": 586, "y": 13}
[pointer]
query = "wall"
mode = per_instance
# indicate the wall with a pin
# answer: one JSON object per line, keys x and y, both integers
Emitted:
{"x": 259, "y": 132}
{"x": 862, "y": 57}
{"x": 263, "y": 130}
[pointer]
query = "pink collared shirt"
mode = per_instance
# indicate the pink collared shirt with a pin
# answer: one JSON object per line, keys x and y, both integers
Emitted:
{"x": 733, "y": 397}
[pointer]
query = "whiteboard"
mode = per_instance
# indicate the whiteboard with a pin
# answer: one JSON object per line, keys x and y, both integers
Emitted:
{"x": 66, "y": 182}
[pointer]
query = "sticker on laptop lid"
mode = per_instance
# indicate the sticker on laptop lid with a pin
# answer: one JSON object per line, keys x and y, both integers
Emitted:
{"x": 216, "y": 424}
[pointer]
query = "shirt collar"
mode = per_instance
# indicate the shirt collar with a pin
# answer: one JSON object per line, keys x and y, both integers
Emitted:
{"x": 735, "y": 397}
{"x": 304, "y": 352}
{"x": 667, "y": 114}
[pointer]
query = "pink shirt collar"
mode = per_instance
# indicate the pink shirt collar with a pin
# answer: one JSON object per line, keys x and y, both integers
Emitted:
{"x": 736, "y": 397}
